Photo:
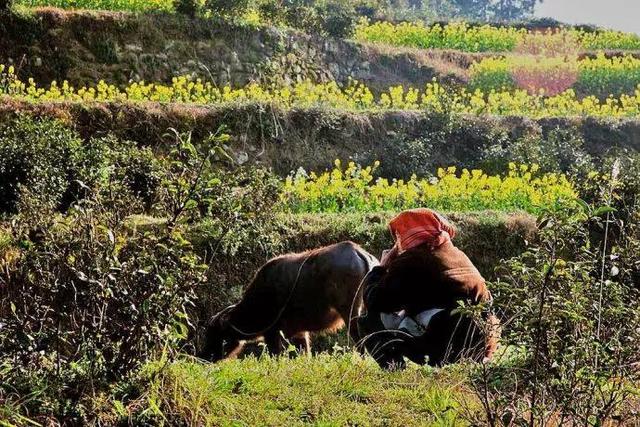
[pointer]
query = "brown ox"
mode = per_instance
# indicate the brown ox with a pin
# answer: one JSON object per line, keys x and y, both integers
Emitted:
{"x": 290, "y": 297}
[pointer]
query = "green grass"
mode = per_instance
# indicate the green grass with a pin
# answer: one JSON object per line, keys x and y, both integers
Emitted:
{"x": 323, "y": 390}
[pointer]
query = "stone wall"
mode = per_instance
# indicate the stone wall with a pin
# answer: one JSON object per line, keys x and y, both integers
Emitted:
{"x": 84, "y": 47}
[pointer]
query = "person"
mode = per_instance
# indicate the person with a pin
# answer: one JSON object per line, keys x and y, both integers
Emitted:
{"x": 413, "y": 298}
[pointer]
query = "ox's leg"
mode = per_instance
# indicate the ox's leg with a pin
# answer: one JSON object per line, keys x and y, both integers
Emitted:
{"x": 234, "y": 349}
{"x": 350, "y": 315}
{"x": 274, "y": 342}
{"x": 302, "y": 342}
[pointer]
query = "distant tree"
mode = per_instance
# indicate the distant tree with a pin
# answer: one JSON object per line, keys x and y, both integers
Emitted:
{"x": 512, "y": 10}
{"x": 475, "y": 10}
{"x": 484, "y": 10}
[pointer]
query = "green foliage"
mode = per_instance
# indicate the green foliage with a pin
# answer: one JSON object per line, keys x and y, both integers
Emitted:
{"x": 88, "y": 300}
{"x": 559, "y": 150}
{"x": 135, "y": 168}
{"x": 90, "y": 293}
{"x": 228, "y": 8}
{"x": 355, "y": 190}
{"x": 124, "y": 5}
{"x": 51, "y": 161}
{"x": 511, "y": 10}
{"x": 338, "y": 18}
{"x": 572, "y": 308}
{"x": 335, "y": 18}
{"x": 42, "y": 155}
{"x": 187, "y": 7}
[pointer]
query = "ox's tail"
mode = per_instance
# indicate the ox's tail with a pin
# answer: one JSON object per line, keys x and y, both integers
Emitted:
{"x": 370, "y": 261}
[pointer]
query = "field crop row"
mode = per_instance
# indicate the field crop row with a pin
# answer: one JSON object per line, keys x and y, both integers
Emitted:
{"x": 485, "y": 38}
{"x": 354, "y": 189}
{"x": 600, "y": 76}
{"x": 116, "y": 5}
{"x": 355, "y": 96}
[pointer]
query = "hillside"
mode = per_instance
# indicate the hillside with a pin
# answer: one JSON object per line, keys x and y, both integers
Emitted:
{"x": 84, "y": 47}
{"x": 151, "y": 163}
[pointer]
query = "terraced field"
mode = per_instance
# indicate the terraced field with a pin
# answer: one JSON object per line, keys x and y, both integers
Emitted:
{"x": 151, "y": 162}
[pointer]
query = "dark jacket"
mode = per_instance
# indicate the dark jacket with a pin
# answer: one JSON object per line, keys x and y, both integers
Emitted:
{"x": 420, "y": 279}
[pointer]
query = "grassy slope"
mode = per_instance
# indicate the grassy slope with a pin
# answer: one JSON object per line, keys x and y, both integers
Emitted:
{"x": 314, "y": 138}
{"x": 322, "y": 390}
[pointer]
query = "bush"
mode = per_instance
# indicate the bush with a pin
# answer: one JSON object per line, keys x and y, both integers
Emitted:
{"x": 187, "y": 7}
{"x": 89, "y": 294}
{"x": 338, "y": 18}
{"x": 572, "y": 307}
{"x": 126, "y": 164}
{"x": 559, "y": 151}
{"x": 88, "y": 300}
{"x": 53, "y": 164}
{"x": 228, "y": 8}
{"x": 42, "y": 155}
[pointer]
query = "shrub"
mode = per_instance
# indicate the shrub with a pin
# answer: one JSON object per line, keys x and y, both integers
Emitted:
{"x": 89, "y": 294}
{"x": 228, "y": 8}
{"x": 573, "y": 314}
{"x": 338, "y": 18}
{"x": 88, "y": 300}
{"x": 51, "y": 162}
{"x": 137, "y": 169}
{"x": 561, "y": 150}
{"x": 187, "y": 7}
{"x": 42, "y": 155}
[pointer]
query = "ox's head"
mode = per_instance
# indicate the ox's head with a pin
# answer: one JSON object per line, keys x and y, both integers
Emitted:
{"x": 220, "y": 339}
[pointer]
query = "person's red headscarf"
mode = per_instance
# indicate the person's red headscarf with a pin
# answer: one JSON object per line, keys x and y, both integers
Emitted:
{"x": 418, "y": 226}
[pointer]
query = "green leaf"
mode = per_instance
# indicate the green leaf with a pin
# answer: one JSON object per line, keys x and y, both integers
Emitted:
{"x": 191, "y": 204}
{"x": 604, "y": 210}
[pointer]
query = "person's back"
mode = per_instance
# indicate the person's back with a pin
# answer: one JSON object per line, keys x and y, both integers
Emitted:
{"x": 419, "y": 279}
{"x": 426, "y": 274}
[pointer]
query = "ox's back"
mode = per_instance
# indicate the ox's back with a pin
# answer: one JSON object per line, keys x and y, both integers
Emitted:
{"x": 313, "y": 290}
